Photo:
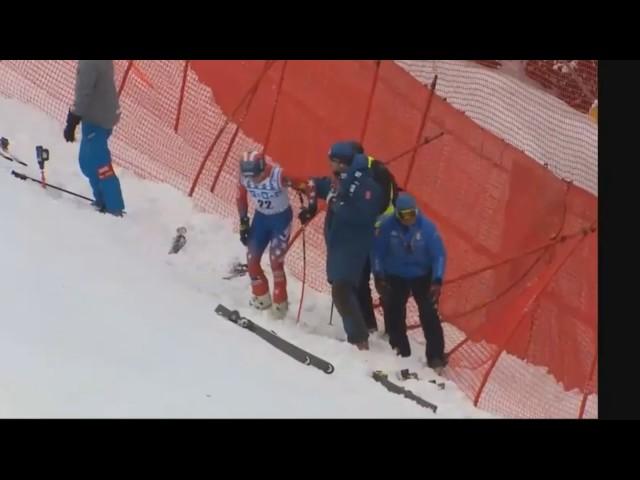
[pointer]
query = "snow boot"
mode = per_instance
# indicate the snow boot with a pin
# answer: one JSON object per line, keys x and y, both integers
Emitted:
{"x": 437, "y": 364}
{"x": 279, "y": 310}
{"x": 261, "y": 302}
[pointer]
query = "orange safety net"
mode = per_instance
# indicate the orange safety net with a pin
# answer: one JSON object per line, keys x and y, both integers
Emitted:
{"x": 515, "y": 107}
{"x": 519, "y": 302}
{"x": 575, "y": 82}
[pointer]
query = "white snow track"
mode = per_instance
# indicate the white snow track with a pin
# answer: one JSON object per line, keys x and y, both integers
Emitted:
{"x": 98, "y": 321}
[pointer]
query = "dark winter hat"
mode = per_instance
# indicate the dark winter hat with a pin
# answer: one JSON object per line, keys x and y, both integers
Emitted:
{"x": 344, "y": 152}
{"x": 406, "y": 208}
{"x": 405, "y": 201}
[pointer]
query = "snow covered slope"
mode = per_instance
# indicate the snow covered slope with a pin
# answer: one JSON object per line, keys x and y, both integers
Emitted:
{"x": 96, "y": 320}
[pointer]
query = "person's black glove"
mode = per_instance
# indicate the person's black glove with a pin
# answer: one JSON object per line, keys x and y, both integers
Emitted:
{"x": 70, "y": 130}
{"x": 434, "y": 291}
{"x": 244, "y": 230}
{"x": 382, "y": 286}
{"x": 307, "y": 213}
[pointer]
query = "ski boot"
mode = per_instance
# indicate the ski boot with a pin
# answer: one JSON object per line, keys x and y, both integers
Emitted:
{"x": 437, "y": 364}
{"x": 261, "y": 302}
{"x": 99, "y": 206}
{"x": 279, "y": 310}
{"x": 402, "y": 353}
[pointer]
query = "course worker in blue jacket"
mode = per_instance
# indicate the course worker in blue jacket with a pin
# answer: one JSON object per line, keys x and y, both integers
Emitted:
{"x": 353, "y": 202}
{"x": 96, "y": 106}
{"x": 346, "y": 151}
{"x": 409, "y": 258}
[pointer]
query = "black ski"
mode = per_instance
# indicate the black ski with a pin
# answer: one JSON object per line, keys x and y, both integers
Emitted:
{"x": 272, "y": 338}
{"x": 11, "y": 158}
{"x": 4, "y": 152}
{"x": 406, "y": 374}
{"x": 382, "y": 378}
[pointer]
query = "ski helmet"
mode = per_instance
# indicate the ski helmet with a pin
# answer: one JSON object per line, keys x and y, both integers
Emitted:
{"x": 252, "y": 164}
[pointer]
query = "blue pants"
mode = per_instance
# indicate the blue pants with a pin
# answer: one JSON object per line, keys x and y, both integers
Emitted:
{"x": 265, "y": 230}
{"x": 95, "y": 164}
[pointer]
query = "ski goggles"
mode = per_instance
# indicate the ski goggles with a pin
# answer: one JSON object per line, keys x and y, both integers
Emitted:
{"x": 408, "y": 215}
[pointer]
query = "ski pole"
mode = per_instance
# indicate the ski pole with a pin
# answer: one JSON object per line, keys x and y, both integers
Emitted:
{"x": 22, "y": 176}
{"x": 304, "y": 262}
{"x": 331, "y": 315}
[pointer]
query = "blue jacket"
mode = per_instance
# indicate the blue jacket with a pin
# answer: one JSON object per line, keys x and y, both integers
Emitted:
{"x": 409, "y": 252}
{"x": 354, "y": 201}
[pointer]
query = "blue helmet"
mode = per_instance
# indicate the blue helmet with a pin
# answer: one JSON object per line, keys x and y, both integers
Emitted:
{"x": 406, "y": 201}
{"x": 252, "y": 164}
{"x": 406, "y": 207}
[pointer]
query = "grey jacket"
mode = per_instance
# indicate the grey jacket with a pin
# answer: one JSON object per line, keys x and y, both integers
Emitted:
{"x": 96, "y": 99}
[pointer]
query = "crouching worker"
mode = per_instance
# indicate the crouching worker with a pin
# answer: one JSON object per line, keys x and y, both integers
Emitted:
{"x": 409, "y": 259}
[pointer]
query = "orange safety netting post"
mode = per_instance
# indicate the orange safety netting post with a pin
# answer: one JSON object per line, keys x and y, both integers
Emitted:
{"x": 423, "y": 121}
{"x": 181, "y": 100}
{"x": 374, "y": 84}
{"x": 586, "y": 389}
{"x": 422, "y": 143}
{"x": 125, "y": 77}
{"x": 275, "y": 107}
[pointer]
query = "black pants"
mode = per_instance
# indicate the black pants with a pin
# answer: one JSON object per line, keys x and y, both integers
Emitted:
{"x": 363, "y": 292}
{"x": 398, "y": 293}
{"x": 346, "y": 302}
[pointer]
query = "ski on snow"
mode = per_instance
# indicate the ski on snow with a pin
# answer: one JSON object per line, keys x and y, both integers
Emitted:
{"x": 273, "y": 339}
{"x": 406, "y": 374}
{"x": 4, "y": 152}
{"x": 383, "y": 379}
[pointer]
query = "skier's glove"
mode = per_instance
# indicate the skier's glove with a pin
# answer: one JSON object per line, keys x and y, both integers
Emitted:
{"x": 307, "y": 213}
{"x": 70, "y": 130}
{"x": 244, "y": 230}
{"x": 333, "y": 192}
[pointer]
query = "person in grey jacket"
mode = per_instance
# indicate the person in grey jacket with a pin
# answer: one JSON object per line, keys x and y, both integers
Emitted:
{"x": 96, "y": 106}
